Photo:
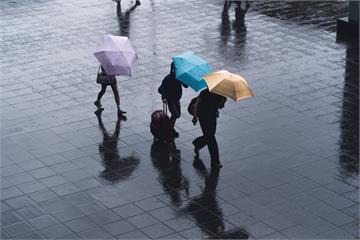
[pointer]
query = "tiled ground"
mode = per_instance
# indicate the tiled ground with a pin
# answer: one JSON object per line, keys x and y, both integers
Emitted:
{"x": 290, "y": 154}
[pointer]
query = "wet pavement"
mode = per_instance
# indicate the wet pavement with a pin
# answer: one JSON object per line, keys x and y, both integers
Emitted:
{"x": 290, "y": 154}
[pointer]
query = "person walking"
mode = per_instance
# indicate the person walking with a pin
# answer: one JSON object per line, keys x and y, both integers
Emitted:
{"x": 207, "y": 111}
{"x": 124, "y": 18}
{"x": 171, "y": 93}
{"x": 240, "y": 11}
{"x": 106, "y": 80}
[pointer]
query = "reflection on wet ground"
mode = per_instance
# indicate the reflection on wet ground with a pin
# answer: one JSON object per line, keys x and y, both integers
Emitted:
{"x": 117, "y": 168}
{"x": 349, "y": 138}
{"x": 321, "y": 14}
{"x": 290, "y": 155}
{"x": 167, "y": 161}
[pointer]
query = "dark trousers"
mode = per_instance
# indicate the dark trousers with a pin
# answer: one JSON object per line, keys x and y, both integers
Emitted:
{"x": 175, "y": 110}
{"x": 208, "y": 127}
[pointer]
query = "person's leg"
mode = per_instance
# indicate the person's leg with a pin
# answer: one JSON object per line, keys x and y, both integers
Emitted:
{"x": 214, "y": 152}
{"x": 201, "y": 141}
{"x": 117, "y": 97}
{"x": 208, "y": 126}
{"x": 97, "y": 103}
{"x": 118, "y": 7}
{"x": 174, "y": 108}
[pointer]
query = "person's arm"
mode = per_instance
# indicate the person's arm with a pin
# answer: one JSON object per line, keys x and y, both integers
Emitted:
{"x": 162, "y": 90}
{"x": 196, "y": 107}
{"x": 184, "y": 85}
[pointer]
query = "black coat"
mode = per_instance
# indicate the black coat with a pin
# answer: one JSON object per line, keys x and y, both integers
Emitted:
{"x": 171, "y": 88}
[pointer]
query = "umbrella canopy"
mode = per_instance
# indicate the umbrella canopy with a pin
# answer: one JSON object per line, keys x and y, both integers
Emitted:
{"x": 116, "y": 55}
{"x": 228, "y": 84}
{"x": 190, "y": 70}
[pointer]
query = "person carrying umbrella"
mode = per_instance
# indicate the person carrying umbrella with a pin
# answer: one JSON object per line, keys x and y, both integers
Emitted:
{"x": 207, "y": 111}
{"x": 117, "y": 57}
{"x": 221, "y": 84}
{"x": 171, "y": 93}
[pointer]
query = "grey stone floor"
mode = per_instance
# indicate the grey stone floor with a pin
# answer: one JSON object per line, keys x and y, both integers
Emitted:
{"x": 290, "y": 154}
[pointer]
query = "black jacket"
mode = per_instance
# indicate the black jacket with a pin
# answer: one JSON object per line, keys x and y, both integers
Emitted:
{"x": 171, "y": 88}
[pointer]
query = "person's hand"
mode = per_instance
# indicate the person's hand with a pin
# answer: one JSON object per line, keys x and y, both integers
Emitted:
{"x": 194, "y": 120}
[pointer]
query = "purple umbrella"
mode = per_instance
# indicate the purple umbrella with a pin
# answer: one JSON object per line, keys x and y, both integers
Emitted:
{"x": 116, "y": 55}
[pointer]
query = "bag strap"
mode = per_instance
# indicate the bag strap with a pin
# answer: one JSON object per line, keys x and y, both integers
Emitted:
{"x": 165, "y": 107}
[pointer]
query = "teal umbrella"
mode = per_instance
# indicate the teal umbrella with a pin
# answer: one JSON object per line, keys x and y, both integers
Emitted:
{"x": 190, "y": 70}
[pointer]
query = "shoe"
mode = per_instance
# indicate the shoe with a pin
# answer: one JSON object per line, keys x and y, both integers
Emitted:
{"x": 121, "y": 111}
{"x": 198, "y": 164}
{"x": 99, "y": 111}
{"x": 97, "y": 104}
{"x": 137, "y": 3}
{"x": 121, "y": 116}
{"x": 174, "y": 133}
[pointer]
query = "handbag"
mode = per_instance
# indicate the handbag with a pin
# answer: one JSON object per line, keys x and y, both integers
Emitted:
{"x": 104, "y": 79}
{"x": 191, "y": 106}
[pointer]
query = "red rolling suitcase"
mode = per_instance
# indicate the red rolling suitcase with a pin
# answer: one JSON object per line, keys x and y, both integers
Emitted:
{"x": 160, "y": 124}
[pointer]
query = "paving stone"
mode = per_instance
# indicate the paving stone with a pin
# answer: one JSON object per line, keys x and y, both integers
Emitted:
{"x": 31, "y": 235}
{"x": 137, "y": 234}
{"x": 163, "y": 214}
{"x": 259, "y": 229}
{"x": 53, "y": 181}
{"x": 43, "y": 195}
{"x": 279, "y": 222}
{"x": 80, "y": 224}
{"x": 55, "y": 231}
{"x": 298, "y": 232}
{"x": 68, "y": 214}
{"x": 118, "y": 227}
{"x": 10, "y": 192}
{"x": 128, "y": 210}
{"x": 18, "y": 229}
{"x": 103, "y": 216}
{"x": 157, "y": 230}
{"x": 31, "y": 211}
{"x": 9, "y": 218}
{"x": 95, "y": 233}
{"x": 32, "y": 186}
{"x": 19, "y": 202}
{"x": 142, "y": 220}
{"x": 150, "y": 204}
{"x": 43, "y": 221}
{"x": 20, "y": 178}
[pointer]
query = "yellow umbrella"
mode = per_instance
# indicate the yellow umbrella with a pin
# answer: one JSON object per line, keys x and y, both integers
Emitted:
{"x": 228, "y": 84}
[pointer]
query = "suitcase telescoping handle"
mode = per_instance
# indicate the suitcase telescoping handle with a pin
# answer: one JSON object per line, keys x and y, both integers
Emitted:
{"x": 165, "y": 107}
